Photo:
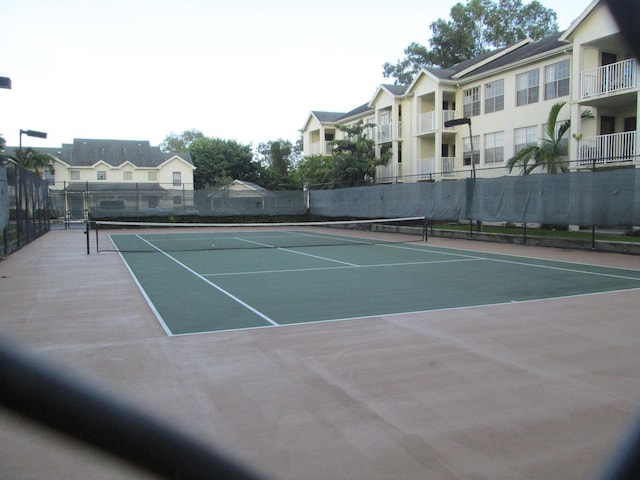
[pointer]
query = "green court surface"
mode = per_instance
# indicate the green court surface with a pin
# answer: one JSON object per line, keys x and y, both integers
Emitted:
{"x": 205, "y": 282}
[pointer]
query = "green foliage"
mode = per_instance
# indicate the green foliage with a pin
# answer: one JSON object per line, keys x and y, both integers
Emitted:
{"x": 180, "y": 142}
{"x": 354, "y": 157}
{"x": 220, "y": 161}
{"x": 279, "y": 159}
{"x": 315, "y": 170}
{"x": 547, "y": 155}
{"x": 31, "y": 159}
{"x": 353, "y": 161}
{"x": 475, "y": 28}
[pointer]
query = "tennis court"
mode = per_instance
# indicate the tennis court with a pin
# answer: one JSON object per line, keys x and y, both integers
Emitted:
{"x": 242, "y": 278}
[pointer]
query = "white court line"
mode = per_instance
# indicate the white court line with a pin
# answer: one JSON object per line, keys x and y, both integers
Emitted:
{"x": 312, "y": 269}
{"x": 298, "y": 253}
{"x": 550, "y": 267}
{"x": 165, "y": 327}
{"x": 217, "y": 287}
{"x": 415, "y": 312}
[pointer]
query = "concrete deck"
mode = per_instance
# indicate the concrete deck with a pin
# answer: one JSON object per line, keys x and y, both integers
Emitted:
{"x": 521, "y": 391}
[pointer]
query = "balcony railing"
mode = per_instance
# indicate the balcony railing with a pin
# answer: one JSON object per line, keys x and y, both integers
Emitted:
{"x": 426, "y": 122}
{"x": 320, "y": 148}
{"x": 388, "y": 132}
{"x": 609, "y": 79}
{"x": 604, "y": 149}
{"x": 430, "y": 167}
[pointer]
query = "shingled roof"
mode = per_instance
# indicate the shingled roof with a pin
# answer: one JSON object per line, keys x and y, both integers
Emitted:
{"x": 87, "y": 152}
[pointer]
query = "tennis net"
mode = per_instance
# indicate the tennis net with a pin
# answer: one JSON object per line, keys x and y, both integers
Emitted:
{"x": 119, "y": 236}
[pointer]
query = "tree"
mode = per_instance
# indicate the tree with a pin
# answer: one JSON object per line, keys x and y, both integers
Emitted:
{"x": 315, "y": 170}
{"x": 180, "y": 142}
{"x": 354, "y": 157}
{"x": 31, "y": 159}
{"x": 279, "y": 157}
{"x": 474, "y": 29}
{"x": 221, "y": 161}
{"x": 547, "y": 155}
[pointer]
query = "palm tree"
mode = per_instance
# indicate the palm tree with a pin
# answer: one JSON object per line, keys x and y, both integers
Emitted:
{"x": 31, "y": 159}
{"x": 548, "y": 155}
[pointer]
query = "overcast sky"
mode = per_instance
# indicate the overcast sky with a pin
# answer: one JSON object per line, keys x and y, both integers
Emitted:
{"x": 247, "y": 70}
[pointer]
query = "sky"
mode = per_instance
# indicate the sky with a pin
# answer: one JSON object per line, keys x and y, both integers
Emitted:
{"x": 243, "y": 70}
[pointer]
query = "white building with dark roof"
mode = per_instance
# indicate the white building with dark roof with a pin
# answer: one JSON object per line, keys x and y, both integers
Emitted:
{"x": 507, "y": 95}
{"x": 119, "y": 162}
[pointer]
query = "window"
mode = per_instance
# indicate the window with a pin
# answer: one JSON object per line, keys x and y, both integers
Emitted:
{"x": 494, "y": 147}
{"x": 466, "y": 155}
{"x": 525, "y": 137}
{"x": 101, "y": 175}
{"x": 152, "y": 176}
{"x": 471, "y": 102}
{"x": 177, "y": 179}
{"x": 177, "y": 200}
{"x": 494, "y": 96}
{"x": 556, "y": 80}
{"x": 127, "y": 175}
{"x": 74, "y": 175}
{"x": 528, "y": 86}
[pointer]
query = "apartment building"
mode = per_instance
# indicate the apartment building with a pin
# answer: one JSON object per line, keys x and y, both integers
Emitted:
{"x": 118, "y": 161}
{"x": 506, "y": 96}
{"x": 109, "y": 177}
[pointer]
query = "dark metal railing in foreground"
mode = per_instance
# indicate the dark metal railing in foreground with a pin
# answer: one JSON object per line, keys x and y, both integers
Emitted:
{"x": 32, "y": 388}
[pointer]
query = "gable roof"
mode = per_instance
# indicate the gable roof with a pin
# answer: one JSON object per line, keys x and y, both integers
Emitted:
{"x": 88, "y": 152}
{"x": 327, "y": 116}
{"x": 576, "y": 23}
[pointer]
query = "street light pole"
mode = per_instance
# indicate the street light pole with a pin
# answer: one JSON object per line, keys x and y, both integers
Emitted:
{"x": 31, "y": 133}
{"x": 467, "y": 121}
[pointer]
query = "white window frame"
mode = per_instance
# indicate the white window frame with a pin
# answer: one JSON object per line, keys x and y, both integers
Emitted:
{"x": 471, "y": 102}
{"x": 494, "y": 96}
{"x": 74, "y": 175}
{"x": 528, "y": 87}
{"x": 127, "y": 175}
{"x": 525, "y": 137}
{"x": 177, "y": 179}
{"x": 494, "y": 148}
{"x": 152, "y": 176}
{"x": 101, "y": 175}
{"x": 556, "y": 80}
{"x": 467, "y": 154}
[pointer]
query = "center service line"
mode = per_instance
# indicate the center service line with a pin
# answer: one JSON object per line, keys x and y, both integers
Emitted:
{"x": 217, "y": 287}
{"x": 299, "y": 253}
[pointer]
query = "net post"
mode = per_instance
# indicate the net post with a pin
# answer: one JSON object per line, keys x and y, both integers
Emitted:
{"x": 87, "y": 233}
{"x": 425, "y": 225}
{"x": 97, "y": 246}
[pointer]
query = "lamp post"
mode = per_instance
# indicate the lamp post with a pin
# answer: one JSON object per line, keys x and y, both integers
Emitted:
{"x": 464, "y": 121}
{"x": 31, "y": 133}
{"x": 5, "y": 82}
{"x": 467, "y": 121}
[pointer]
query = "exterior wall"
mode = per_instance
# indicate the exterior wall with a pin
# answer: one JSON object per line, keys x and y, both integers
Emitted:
{"x": 166, "y": 174}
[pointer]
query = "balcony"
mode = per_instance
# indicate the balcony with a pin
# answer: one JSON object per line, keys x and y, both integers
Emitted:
{"x": 429, "y": 168}
{"x": 607, "y": 149}
{"x": 426, "y": 122}
{"x": 609, "y": 79}
{"x": 320, "y": 148}
{"x": 388, "y": 132}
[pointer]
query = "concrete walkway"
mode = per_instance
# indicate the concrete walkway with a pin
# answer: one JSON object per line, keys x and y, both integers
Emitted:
{"x": 534, "y": 390}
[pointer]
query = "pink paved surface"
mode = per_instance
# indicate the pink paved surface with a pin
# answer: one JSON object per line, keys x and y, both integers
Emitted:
{"x": 534, "y": 390}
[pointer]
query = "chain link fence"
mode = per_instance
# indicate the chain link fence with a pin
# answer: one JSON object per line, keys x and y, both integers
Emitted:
{"x": 24, "y": 208}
